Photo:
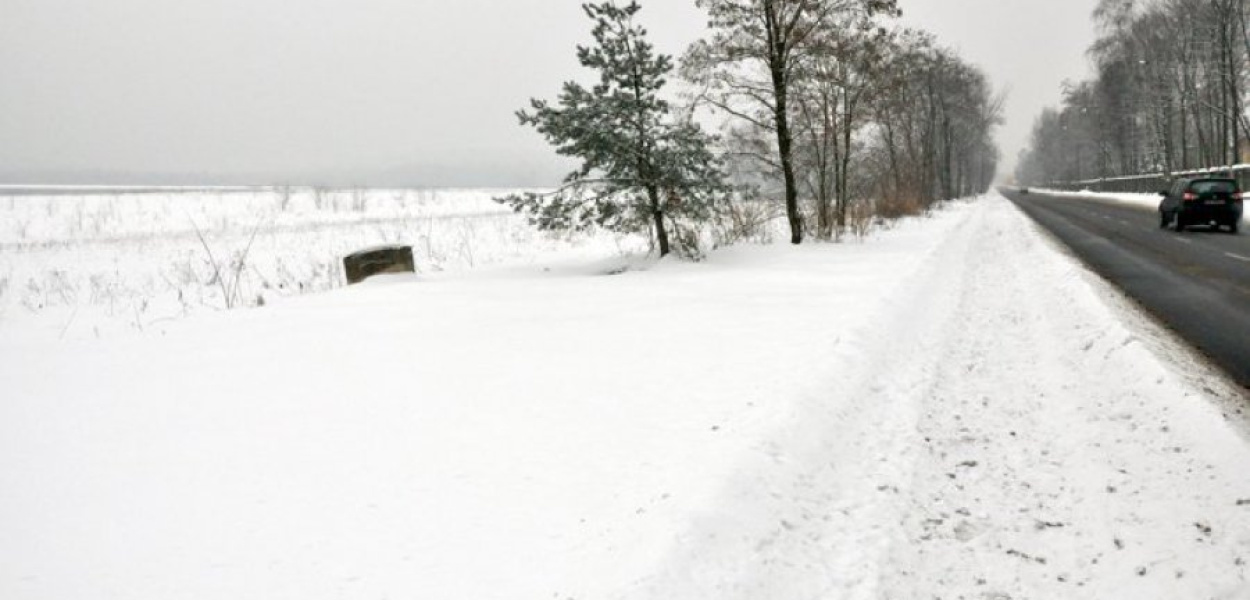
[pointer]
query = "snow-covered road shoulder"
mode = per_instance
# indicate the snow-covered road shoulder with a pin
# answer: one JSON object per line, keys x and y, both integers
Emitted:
{"x": 1145, "y": 201}
{"x": 948, "y": 409}
{"x": 1058, "y": 456}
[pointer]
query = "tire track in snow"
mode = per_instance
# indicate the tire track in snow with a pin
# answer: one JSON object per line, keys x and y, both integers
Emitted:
{"x": 834, "y": 482}
{"x": 901, "y": 372}
{"x": 1061, "y": 459}
{"x": 1000, "y": 436}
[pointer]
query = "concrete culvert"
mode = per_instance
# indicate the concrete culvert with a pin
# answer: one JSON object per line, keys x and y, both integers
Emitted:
{"x": 362, "y": 264}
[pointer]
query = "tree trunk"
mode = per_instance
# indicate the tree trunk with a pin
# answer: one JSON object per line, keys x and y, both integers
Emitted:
{"x": 786, "y": 151}
{"x": 1200, "y": 132}
{"x": 822, "y": 190}
{"x": 844, "y": 193}
{"x": 1234, "y": 97}
{"x": 893, "y": 154}
{"x": 777, "y": 53}
{"x": 820, "y": 148}
{"x": 661, "y": 235}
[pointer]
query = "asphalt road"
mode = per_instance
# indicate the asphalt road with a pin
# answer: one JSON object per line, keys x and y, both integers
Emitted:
{"x": 1196, "y": 282}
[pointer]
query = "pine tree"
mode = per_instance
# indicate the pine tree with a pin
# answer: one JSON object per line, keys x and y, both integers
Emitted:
{"x": 642, "y": 166}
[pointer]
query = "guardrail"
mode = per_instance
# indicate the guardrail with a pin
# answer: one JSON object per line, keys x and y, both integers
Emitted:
{"x": 1150, "y": 183}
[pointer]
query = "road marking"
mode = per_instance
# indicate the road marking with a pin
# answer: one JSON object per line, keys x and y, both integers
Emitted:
{"x": 1182, "y": 240}
{"x": 1123, "y": 222}
{"x": 1237, "y": 257}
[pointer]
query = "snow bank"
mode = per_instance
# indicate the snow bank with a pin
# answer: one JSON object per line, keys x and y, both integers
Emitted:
{"x": 1150, "y": 201}
{"x": 947, "y": 409}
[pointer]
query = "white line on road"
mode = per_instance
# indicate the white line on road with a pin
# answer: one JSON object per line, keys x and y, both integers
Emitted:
{"x": 1237, "y": 257}
{"x": 1182, "y": 240}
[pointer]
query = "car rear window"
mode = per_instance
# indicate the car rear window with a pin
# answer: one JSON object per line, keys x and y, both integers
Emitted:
{"x": 1218, "y": 186}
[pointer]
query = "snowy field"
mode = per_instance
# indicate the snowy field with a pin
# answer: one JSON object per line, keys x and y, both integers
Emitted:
{"x": 952, "y": 409}
{"x": 98, "y": 262}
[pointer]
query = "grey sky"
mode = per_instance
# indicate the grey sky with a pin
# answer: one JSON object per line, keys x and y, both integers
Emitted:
{"x": 418, "y": 90}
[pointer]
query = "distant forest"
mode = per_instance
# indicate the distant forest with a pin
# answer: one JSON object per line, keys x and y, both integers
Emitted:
{"x": 1168, "y": 94}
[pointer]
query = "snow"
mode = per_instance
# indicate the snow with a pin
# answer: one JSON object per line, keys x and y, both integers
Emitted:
{"x": 953, "y": 408}
{"x": 38, "y": 189}
{"x": 1150, "y": 201}
{"x": 96, "y": 264}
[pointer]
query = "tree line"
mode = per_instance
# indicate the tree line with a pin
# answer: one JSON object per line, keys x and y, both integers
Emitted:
{"x": 1167, "y": 94}
{"x": 826, "y": 109}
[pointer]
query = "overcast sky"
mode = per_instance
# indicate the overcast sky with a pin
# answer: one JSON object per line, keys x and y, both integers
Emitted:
{"x": 274, "y": 90}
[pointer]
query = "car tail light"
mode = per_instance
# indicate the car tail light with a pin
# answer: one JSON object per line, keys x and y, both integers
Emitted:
{"x": 1237, "y": 196}
{"x": 1190, "y": 196}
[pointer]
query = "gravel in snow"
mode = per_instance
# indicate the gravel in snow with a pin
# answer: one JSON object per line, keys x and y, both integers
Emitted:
{"x": 950, "y": 409}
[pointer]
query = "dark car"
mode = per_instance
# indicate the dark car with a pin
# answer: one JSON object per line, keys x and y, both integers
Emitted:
{"x": 1208, "y": 201}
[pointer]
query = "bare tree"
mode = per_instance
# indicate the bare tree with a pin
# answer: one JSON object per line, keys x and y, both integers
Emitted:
{"x": 1168, "y": 95}
{"x": 749, "y": 63}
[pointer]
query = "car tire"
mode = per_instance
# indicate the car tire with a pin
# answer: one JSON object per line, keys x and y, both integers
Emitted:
{"x": 1234, "y": 226}
{"x": 1164, "y": 221}
{"x": 1178, "y": 223}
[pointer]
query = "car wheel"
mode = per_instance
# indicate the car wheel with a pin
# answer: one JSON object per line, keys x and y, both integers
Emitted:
{"x": 1178, "y": 222}
{"x": 1234, "y": 226}
{"x": 1163, "y": 220}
